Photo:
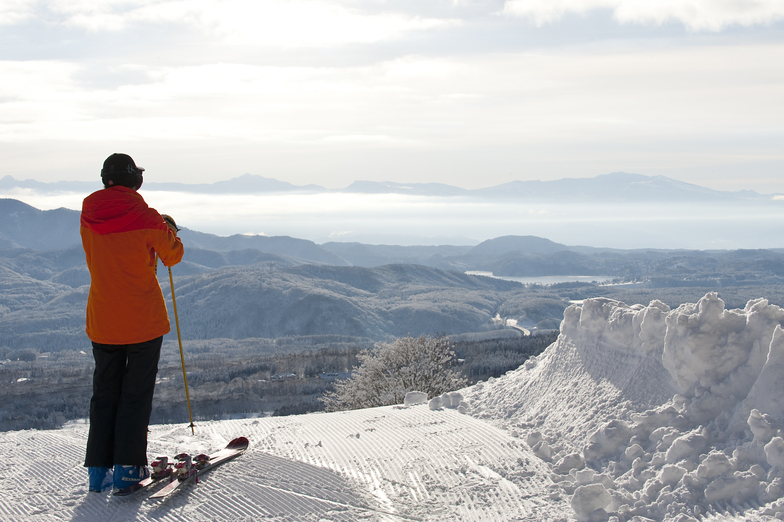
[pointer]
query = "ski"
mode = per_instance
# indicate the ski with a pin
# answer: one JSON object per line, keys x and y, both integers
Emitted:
{"x": 161, "y": 468}
{"x": 188, "y": 469}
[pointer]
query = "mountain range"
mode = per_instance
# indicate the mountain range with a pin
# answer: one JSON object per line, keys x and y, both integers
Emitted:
{"x": 24, "y": 226}
{"x": 49, "y": 233}
{"x": 256, "y": 286}
{"x": 616, "y": 186}
{"x": 250, "y": 286}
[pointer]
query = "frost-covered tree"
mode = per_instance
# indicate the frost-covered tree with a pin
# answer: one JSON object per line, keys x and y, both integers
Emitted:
{"x": 387, "y": 372}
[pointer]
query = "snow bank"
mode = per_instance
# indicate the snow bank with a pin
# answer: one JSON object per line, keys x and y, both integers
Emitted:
{"x": 650, "y": 412}
{"x": 415, "y": 397}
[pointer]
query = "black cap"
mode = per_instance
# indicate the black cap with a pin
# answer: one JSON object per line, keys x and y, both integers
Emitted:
{"x": 120, "y": 169}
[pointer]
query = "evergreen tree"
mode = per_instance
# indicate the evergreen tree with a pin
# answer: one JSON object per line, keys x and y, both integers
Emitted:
{"x": 386, "y": 373}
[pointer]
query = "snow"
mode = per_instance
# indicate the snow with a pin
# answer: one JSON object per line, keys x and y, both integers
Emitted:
{"x": 635, "y": 413}
{"x": 415, "y": 397}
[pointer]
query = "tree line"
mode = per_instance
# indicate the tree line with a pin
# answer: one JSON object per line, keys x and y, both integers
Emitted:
{"x": 229, "y": 378}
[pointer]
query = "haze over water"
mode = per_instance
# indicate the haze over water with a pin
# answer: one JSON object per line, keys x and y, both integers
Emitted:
{"x": 419, "y": 220}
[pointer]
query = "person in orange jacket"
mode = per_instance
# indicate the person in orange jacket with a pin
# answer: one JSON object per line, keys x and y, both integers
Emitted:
{"x": 126, "y": 319}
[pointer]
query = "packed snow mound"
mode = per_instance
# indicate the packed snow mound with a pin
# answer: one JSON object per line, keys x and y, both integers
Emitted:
{"x": 644, "y": 411}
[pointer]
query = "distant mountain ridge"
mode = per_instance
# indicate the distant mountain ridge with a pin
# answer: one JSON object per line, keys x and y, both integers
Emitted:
{"x": 247, "y": 183}
{"x": 615, "y": 186}
{"x": 505, "y": 244}
{"x": 24, "y": 226}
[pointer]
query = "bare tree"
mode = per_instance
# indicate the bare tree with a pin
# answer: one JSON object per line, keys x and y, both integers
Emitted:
{"x": 385, "y": 374}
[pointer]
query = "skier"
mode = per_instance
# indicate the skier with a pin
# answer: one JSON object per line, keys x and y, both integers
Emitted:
{"x": 126, "y": 319}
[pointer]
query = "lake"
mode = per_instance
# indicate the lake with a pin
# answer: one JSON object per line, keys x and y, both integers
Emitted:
{"x": 546, "y": 280}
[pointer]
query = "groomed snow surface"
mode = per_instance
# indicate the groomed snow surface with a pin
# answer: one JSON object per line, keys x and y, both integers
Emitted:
{"x": 635, "y": 413}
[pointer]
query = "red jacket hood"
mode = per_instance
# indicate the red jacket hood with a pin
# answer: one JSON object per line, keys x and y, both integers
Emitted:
{"x": 117, "y": 209}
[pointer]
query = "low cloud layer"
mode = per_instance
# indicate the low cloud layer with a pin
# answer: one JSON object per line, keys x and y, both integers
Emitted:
{"x": 418, "y": 220}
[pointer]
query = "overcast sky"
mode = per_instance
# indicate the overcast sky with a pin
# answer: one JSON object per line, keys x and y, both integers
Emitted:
{"x": 470, "y": 93}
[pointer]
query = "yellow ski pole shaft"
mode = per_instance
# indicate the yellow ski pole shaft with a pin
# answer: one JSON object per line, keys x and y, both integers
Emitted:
{"x": 182, "y": 357}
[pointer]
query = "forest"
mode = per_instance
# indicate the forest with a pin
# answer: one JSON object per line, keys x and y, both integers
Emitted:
{"x": 227, "y": 378}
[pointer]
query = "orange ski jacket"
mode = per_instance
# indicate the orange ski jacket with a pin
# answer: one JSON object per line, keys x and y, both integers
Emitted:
{"x": 121, "y": 236}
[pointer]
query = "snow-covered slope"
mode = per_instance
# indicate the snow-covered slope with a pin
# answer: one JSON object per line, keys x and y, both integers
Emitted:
{"x": 635, "y": 413}
{"x": 391, "y": 463}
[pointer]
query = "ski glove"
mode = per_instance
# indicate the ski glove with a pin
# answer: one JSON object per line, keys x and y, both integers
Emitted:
{"x": 170, "y": 223}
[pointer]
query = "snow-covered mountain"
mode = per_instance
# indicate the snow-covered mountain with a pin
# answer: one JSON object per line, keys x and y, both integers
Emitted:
{"x": 635, "y": 413}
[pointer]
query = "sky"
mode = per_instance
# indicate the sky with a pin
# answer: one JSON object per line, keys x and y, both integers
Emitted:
{"x": 473, "y": 93}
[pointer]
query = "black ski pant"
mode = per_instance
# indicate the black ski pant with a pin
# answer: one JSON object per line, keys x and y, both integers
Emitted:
{"x": 123, "y": 386}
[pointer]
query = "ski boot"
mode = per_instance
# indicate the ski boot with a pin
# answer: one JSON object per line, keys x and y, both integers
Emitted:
{"x": 127, "y": 476}
{"x": 100, "y": 478}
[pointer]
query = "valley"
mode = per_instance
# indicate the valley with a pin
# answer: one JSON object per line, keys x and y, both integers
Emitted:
{"x": 265, "y": 319}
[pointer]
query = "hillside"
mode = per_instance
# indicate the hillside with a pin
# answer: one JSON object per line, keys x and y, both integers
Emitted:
{"x": 298, "y": 250}
{"x": 635, "y": 413}
{"x": 39, "y": 308}
{"x": 377, "y": 303}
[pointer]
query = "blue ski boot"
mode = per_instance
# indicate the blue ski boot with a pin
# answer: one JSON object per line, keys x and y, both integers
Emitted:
{"x": 99, "y": 478}
{"x": 127, "y": 476}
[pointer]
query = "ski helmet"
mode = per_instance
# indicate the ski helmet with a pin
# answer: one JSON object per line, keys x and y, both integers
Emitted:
{"x": 119, "y": 169}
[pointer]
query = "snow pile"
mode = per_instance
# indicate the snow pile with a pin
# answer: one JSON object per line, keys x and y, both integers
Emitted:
{"x": 643, "y": 411}
{"x": 452, "y": 400}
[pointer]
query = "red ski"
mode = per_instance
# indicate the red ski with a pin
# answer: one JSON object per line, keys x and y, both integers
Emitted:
{"x": 187, "y": 469}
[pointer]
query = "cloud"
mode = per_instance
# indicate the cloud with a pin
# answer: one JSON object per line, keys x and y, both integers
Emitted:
{"x": 378, "y": 140}
{"x": 434, "y": 106}
{"x": 339, "y": 234}
{"x": 419, "y": 116}
{"x": 295, "y": 23}
{"x": 13, "y": 12}
{"x": 697, "y": 15}
{"x": 327, "y": 105}
{"x": 307, "y": 23}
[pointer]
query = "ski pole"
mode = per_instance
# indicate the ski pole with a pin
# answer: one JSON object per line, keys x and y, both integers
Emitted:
{"x": 182, "y": 357}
